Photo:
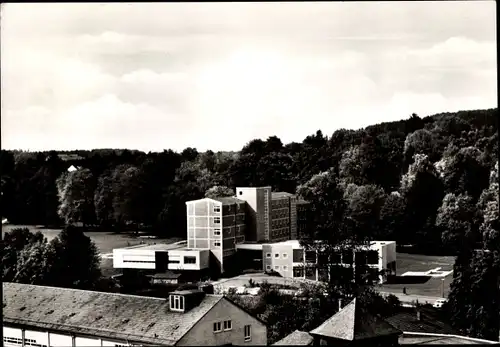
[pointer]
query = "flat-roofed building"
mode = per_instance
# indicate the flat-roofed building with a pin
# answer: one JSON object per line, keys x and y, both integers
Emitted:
{"x": 290, "y": 259}
{"x": 40, "y": 316}
{"x": 216, "y": 224}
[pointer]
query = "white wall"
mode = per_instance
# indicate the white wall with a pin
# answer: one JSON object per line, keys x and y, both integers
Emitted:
{"x": 142, "y": 259}
{"x": 40, "y": 337}
{"x": 87, "y": 342}
{"x": 60, "y": 340}
{"x": 56, "y": 340}
{"x": 283, "y": 264}
{"x": 202, "y": 259}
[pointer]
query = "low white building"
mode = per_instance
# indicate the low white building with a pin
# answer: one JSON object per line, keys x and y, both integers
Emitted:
{"x": 291, "y": 260}
{"x": 163, "y": 258}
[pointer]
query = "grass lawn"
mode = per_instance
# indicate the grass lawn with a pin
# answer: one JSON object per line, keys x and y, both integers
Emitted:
{"x": 105, "y": 242}
{"x": 421, "y": 286}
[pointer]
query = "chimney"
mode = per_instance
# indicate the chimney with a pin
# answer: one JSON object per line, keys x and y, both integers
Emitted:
{"x": 340, "y": 304}
{"x": 419, "y": 317}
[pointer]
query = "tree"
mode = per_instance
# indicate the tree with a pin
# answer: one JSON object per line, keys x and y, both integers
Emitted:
{"x": 488, "y": 205}
{"x": 103, "y": 200}
{"x": 219, "y": 191}
{"x": 78, "y": 260}
{"x": 392, "y": 218}
{"x": 466, "y": 173}
{"x": 128, "y": 199}
{"x": 364, "y": 204}
{"x": 421, "y": 141}
{"x": 474, "y": 300}
{"x": 14, "y": 242}
{"x": 76, "y": 197}
{"x": 35, "y": 263}
{"x": 422, "y": 191}
{"x": 458, "y": 219}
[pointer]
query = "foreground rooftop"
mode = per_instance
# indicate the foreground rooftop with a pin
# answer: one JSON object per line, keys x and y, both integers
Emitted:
{"x": 107, "y": 315}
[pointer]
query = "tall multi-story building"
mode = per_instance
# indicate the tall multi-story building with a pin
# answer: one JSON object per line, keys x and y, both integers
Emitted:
{"x": 261, "y": 227}
{"x": 283, "y": 217}
{"x": 303, "y": 218}
{"x": 216, "y": 224}
{"x": 258, "y": 207}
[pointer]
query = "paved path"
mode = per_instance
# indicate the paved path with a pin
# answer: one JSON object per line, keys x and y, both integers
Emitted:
{"x": 242, "y": 280}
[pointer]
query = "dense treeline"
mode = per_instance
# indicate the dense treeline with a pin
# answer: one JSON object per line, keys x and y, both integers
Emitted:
{"x": 415, "y": 162}
{"x": 430, "y": 182}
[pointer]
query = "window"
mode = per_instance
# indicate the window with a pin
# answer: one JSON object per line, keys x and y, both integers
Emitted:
{"x": 241, "y": 193}
{"x": 276, "y": 267}
{"x": 285, "y": 255}
{"x": 372, "y": 257}
{"x": 268, "y": 267}
{"x": 248, "y": 332}
{"x": 216, "y": 243}
{"x": 176, "y": 303}
{"x": 285, "y": 268}
{"x": 189, "y": 260}
{"x": 216, "y": 209}
{"x": 216, "y": 220}
{"x": 174, "y": 261}
{"x": 217, "y": 327}
{"x": 217, "y": 232}
{"x": 228, "y": 325}
{"x": 268, "y": 255}
{"x": 276, "y": 255}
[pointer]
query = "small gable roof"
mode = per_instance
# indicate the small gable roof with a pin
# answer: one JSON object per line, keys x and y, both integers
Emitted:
{"x": 353, "y": 323}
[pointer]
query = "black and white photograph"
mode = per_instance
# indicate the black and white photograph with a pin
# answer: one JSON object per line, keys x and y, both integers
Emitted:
{"x": 302, "y": 173}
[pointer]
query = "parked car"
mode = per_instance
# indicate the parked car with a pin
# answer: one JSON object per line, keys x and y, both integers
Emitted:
{"x": 439, "y": 303}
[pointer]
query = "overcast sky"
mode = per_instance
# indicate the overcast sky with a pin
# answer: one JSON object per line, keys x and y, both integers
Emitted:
{"x": 216, "y": 75}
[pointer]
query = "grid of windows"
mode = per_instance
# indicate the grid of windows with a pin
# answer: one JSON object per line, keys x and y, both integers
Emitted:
{"x": 19, "y": 341}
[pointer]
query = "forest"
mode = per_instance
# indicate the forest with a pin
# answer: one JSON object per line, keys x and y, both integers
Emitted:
{"x": 428, "y": 182}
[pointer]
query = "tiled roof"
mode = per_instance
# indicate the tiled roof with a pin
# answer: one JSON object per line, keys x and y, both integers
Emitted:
{"x": 428, "y": 323}
{"x": 352, "y": 323}
{"x": 140, "y": 319}
{"x": 229, "y": 200}
{"x": 302, "y": 202}
{"x": 297, "y": 338}
{"x": 279, "y": 195}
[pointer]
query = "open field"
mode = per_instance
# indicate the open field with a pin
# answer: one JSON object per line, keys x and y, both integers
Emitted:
{"x": 420, "y": 286}
{"x": 105, "y": 242}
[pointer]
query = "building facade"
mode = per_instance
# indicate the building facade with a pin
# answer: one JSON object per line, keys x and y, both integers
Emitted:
{"x": 258, "y": 207}
{"x": 291, "y": 260}
{"x": 40, "y": 316}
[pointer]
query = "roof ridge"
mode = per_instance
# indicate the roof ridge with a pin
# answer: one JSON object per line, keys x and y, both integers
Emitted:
{"x": 86, "y": 290}
{"x": 96, "y": 291}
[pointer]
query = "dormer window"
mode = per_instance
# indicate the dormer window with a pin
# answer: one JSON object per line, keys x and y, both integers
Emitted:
{"x": 177, "y": 303}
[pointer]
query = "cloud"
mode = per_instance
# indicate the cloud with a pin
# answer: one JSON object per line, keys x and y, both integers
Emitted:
{"x": 215, "y": 75}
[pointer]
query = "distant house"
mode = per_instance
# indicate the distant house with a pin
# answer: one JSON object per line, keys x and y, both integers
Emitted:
{"x": 48, "y": 316}
{"x": 353, "y": 326}
{"x": 73, "y": 168}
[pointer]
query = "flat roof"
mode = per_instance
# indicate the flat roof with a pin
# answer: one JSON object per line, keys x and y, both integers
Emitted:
{"x": 410, "y": 338}
{"x": 250, "y": 246}
{"x": 154, "y": 247}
